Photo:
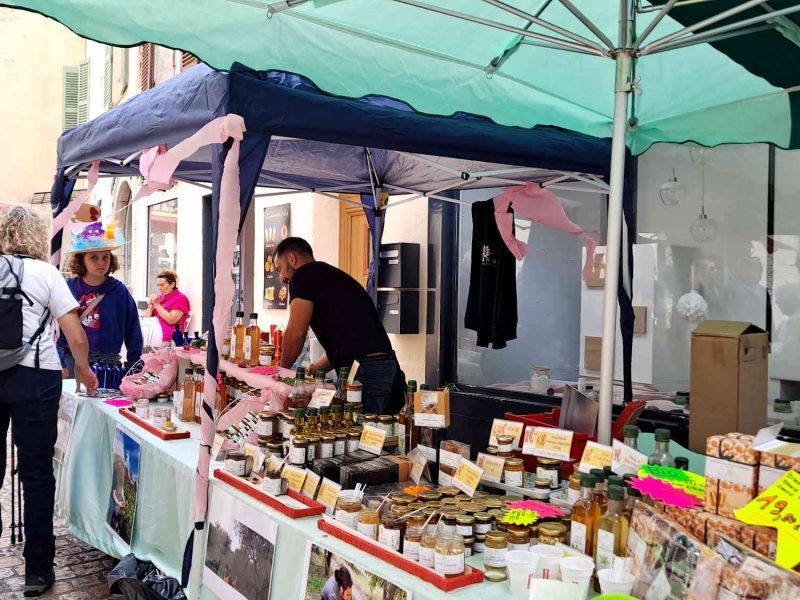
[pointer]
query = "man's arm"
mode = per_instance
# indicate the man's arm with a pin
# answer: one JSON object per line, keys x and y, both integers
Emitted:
{"x": 295, "y": 335}
{"x": 321, "y": 363}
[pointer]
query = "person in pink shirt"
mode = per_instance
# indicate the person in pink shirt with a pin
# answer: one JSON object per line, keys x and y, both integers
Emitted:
{"x": 170, "y": 306}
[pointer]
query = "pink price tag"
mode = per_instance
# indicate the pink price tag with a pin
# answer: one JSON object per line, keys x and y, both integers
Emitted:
{"x": 661, "y": 490}
{"x": 118, "y": 402}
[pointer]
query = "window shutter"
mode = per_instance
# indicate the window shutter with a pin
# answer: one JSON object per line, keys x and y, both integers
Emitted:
{"x": 188, "y": 60}
{"x": 83, "y": 92}
{"x": 147, "y": 59}
{"x": 108, "y": 78}
{"x": 69, "y": 113}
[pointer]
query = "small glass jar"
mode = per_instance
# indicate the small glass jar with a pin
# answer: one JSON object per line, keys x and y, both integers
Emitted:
{"x": 534, "y": 529}
{"x": 368, "y": 522}
{"x": 448, "y": 522}
{"x": 326, "y": 445}
{"x": 236, "y": 463}
{"x": 549, "y": 468}
{"x": 161, "y": 416}
{"x": 465, "y": 525}
{"x": 286, "y": 424}
{"x": 505, "y": 443}
{"x": 493, "y": 504}
{"x": 513, "y": 472}
{"x": 298, "y": 451}
{"x": 469, "y": 546}
{"x": 314, "y": 448}
{"x": 449, "y": 557}
{"x": 391, "y": 531}
{"x": 412, "y": 540}
{"x": 272, "y": 482}
{"x": 448, "y": 503}
{"x": 540, "y": 380}
{"x": 427, "y": 550}
{"x": 351, "y": 444}
{"x": 142, "y": 408}
{"x": 434, "y": 504}
{"x": 339, "y": 443}
{"x": 275, "y": 449}
{"x": 500, "y": 525}
{"x": 402, "y": 499}
{"x": 479, "y": 547}
{"x": 552, "y": 533}
{"x": 354, "y": 392}
{"x": 370, "y": 419}
{"x": 449, "y": 492}
{"x": 386, "y": 422}
{"x": 492, "y": 450}
{"x": 348, "y": 509}
{"x": 432, "y": 516}
{"x": 574, "y": 491}
{"x": 519, "y": 538}
{"x": 495, "y": 549}
{"x": 483, "y": 523}
{"x": 430, "y": 496}
{"x": 267, "y": 424}
{"x": 541, "y": 490}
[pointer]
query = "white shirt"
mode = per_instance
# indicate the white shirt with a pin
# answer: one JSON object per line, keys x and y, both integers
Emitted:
{"x": 48, "y": 289}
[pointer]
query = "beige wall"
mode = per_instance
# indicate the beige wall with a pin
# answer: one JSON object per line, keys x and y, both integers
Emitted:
{"x": 33, "y": 53}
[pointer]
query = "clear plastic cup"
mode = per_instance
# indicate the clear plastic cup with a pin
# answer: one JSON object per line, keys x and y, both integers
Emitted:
{"x": 611, "y": 584}
{"x": 521, "y": 566}
{"x": 547, "y": 563}
{"x": 577, "y": 570}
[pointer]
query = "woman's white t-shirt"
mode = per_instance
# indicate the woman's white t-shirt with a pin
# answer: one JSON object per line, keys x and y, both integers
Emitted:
{"x": 48, "y": 289}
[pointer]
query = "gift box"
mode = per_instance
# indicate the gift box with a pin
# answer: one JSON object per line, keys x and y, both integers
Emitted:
{"x": 736, "y": 447}
{"x": 717, "y": 525}
{"x": 747, "y": 575}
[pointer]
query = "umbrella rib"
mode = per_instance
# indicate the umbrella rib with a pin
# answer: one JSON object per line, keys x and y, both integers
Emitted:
{"x": 586, "y": 21}
{"x": 710, "y": 37}
{"x": 649, "y": 29}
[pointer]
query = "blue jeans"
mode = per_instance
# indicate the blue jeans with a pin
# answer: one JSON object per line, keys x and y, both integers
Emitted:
{"x": 30, "y": 398}
{"x": 383, "y": 386}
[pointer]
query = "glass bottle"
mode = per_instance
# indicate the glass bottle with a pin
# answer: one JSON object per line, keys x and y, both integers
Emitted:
{"x": 237, "y": 338}
{"x": 320, "y": 383}
{"x": 325, "y": 421}
{"x": 405, "y": 421}
{"x": 336, "y": 417}
{"x": 299, "y": 427}
{"x": 199, "y": 389}
{"x": 632, "y": 496}
{"x": 600, "y": 492}
{"x": 681, "y": 462}
{"x": 187, "y": 412}
{"x": 661, "y": 455}
{"x": 348, "y": 416}
{"x": 630, "y": 435}
{"x": 612, "y": 530}
{"x": 585, "y": 515}
{"x": 340, "y": 398}
{"x": 177, "y": 336}
{"x": 298, "y": 397}
{"x": 312, "y": 421}
{"x": 252, "y": 341}
{"x": 222, "y": 394}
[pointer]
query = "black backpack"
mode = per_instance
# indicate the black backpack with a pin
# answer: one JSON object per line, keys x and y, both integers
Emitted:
{"x": 12, "y": 347}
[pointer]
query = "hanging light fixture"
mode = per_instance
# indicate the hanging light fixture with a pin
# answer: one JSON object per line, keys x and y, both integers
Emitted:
{"x": 704, "y": 229}
{"x": 672, "y": 191}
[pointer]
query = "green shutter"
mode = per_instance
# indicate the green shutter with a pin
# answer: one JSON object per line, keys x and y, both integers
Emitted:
{"x": 108, "y": 79}
{"x": 69, "y": 112}
{"x": 83, "y": 92}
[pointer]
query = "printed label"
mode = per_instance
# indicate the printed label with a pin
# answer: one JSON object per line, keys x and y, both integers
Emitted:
{"x": 727, "y": 470}
{"x": 233, "y": 346}
{"x": 492, "y": 466}
{"x": 503, "y": 427}
{"x": 494, "y": 557}
{"x": 427, "y": 557}
{"x": 352, "y": 446}
{"x": 235, "y": 467}
{"x": 467, "y": 477}
{"x": 465, "y": 530}
{"x": 389, "y": 537}
{"x": 445, "y": 479}
{"x": 247, "y": 348}
{"x": 483, "y": 527}
{"x": 577, "y": 536}
{"x": 272, "y": 486}
{"x": 264, "y": 428}
{"x": 449, "y": 459}
{"x": 514, "y": 478}
{"x": 429, "y": 420}
{"x": 338, "y": 447}
{"x": 449, "y": 564}
{"x": 605, "y": 549}
{"x": 551, "y": 474}
{"x": 480, "y": 547}
{"x": 428, "y": 452}
{"x": 467, "y": 552}
{"x": 411, "y": 550}
{"x": 310, "y": 485}
{"x": 369, "y": 530}
{"x": 637, "y": 545}
{"x": 347, "y": 518}
{"x": 297, "y": 456}
{"x": 326, "y": 450}
{"x": 372, "y": 439}
{"x": 354, "y": 396}
{"x": 328, "y": 494}
{"x": 401, "y": 438}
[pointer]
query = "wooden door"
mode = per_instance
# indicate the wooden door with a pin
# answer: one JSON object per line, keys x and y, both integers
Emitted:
{"x": 353, "y": 240}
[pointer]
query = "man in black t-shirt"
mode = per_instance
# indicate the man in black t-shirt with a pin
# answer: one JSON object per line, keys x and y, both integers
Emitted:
{"x": 345, "y": 321}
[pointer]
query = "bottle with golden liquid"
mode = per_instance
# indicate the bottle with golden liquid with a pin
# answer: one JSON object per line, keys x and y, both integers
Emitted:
{"x": 348, "y": 416}
{"x": 312, "y": 421}
{"x": 336, "y": 416}
{"x": 199, "y": 391}
{"x": 187, "y": 412}
{"x": 252, "y": 341}
{"x": 585, "y": 515}
{"x": 237, "y": 338}
{"x": 340, "y": 398}
{"x": 600, "y": 492}
{"x": 612, "y": 530}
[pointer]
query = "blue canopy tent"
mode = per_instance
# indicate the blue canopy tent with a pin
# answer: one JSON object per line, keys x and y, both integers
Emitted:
{"x": 300, "y": 138}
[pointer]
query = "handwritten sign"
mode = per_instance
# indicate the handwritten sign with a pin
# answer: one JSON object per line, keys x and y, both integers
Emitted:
{"x": 779, "y": 506}
{"x": 625, "y": 459}
{"x": 503, "y": 427}
{"x": 467, "y": 477}
{"x": 321, "y": 398}
{"x": 328, "y": 494}
{"x": 658, "y": 489}
{"x": 547, "y": 442}
{"x": 595, "y": 456}
{"x": 691, "y": 483}
{"x": 294, "y": 476}
{"x": 418, "y": 465}
{"x": 353, "y": 371}
{"x": 372, "y": 439}
{"x": 492, "y": 466}
{"x": 310, "y": 485}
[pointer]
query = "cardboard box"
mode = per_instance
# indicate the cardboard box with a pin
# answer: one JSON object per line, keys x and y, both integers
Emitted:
{"x": 403, "y": 464}
{"x": 728, "y": 380}
{"x": 767, "y": 476}
{"x": 729, "y": 485}
{"x": 432, "y": 408}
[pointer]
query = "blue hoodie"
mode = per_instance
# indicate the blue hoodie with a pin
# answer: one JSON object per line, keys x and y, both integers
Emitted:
{"x": 119, "y": 320}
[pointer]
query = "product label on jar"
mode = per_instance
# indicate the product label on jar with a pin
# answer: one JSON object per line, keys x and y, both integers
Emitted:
{"x": 354, "y": 396}
{"x": 198, "y": 403}
{"x": 479, "y": 547}
{"x": 494, "y": 557}
{"x": 370, "y": 530}
{"x": 272, "y": 486}
{"x": 235, "y": 467}
{"x": 521, "y": 547}
{"x": 465, "y": 530}
{"x": 338, "y": 447}
{"x": 265, "y": 360}
{"x": 604, "y": 558}
{"x": 449, "y": 564}
{"x": 551, "y": 474}
{"x": 264, "y": 428}
{"x": 142, "y": 411}
{"x": 389, "y": 537}
{"x": 427, "y": 557}
{"x": 482, "y": 527}
{"x": 297, "y": 456}
{"x": 411, "y": 550}
{"x": 347, "y": 518}
{"x": 467, "y": 551}
{"x": 312, "y": 452}
{"x": 326, "y": 450}
{"x": 577, "y": 536}
{"x": 401, "y": 438}
{"x": 352, "y": 446}
{"x": 513, "y": 478}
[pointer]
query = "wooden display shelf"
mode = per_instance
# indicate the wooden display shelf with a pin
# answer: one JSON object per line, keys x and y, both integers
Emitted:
{"x": 312, "y": 508}
{"x": 179, "y": 434}
{"x": 471, "y": 574}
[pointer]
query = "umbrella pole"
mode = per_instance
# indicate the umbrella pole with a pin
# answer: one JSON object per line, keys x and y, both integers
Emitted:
{"x": 613, "y": 243}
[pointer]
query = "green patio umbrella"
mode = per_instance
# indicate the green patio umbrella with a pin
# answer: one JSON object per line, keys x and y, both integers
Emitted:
{"x": 708, "y": 71}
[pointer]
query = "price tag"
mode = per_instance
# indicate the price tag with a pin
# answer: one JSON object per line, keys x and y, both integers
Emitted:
{"x": 467, "y": 477}
{"x": 372, "y": 439}
{"x": 328, "y": 494}
{"x": 625, "y": 459}
{"x": 353, "y": 370}
{"x": 321, "y": 398}
{"x": 294, "y": 476}
{"x": 492, "y": 466}
{"x": 503, "y": 427}
{"x": 691, "y": 483}
{"x": 274, "y": 463}
{"x": 779, "y": 506}
{"x": 418, "y": 465}
{"x": 595, "y": 456}
{"x": 547, "y": 442}
{"x": 310, "y": 485}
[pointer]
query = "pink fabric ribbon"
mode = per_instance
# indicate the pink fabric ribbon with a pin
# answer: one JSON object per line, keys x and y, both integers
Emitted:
{"x": 63, "y": 218}
{"x": 541, "y": 206}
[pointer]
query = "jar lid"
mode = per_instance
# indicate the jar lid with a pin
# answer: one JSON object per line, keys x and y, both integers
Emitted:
{"x": 505, "y": 439}
{"x": 465, "y": 519}
{"x": 370, "y": 416}
{"x": 264, "y": 414}
{"x": 549, "y": 462}
{"x": 312, "y": 439}
{"x": 354, "y": 385}
{"x": 491, "y": 450}
{"x": 472, "y": 507}
{"x": 340, "y": 435}
{"x": 386, "y": 419}
{"x": 352, "y": 435}
{"x": 298, "y": 440}
{"x": 495, "y": 576}
{"x": 496, "y": 535}
{"x": 513, "y": 462}
{"x": 234, "y": 454}
{"x": 469, "y": 539}
{"x": 542, "y": 483}
{"x": 552, "y": 529}
{"x": 483, "y": 516}
{"x": 327, "y": 437}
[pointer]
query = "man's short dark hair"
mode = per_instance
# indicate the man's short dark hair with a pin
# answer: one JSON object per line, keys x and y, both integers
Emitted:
{"x": 343, "y": 578}
{"x": 296, "y": 245}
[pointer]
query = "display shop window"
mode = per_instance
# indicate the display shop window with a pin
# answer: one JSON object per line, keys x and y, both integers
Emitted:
{"x": 162, "y": 236}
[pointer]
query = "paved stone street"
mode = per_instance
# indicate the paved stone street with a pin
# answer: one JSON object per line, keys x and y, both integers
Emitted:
{"x": 80, "y": 569}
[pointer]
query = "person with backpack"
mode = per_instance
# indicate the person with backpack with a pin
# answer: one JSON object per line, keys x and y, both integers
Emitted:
{"x": 107, "y": 310}
{"x": 33, "y": 294}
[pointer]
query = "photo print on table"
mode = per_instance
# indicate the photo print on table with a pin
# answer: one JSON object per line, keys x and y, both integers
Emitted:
{"x": 240, "y": 549}
{"x": 328, "y": 576}
{"x": 122, "y": 500}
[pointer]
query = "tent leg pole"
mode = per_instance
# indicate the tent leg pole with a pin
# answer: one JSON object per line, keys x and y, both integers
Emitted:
{"x": 613, "y": 245}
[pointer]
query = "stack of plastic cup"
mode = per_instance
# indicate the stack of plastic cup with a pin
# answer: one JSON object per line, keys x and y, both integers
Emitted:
{"x": 615, "y": 583}
{"x": 547, "y": 561}
{"x": 577, "y": 570}
{"x": 521, "y": 566}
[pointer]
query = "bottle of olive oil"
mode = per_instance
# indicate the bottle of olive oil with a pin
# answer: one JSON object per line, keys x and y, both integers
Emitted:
{"x": 612, "y": 530}
{"x": 585, "y": 515}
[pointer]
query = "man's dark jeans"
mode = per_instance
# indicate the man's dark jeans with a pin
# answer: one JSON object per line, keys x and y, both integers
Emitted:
{"x": 383, "y": 385}
{"x": 29, "y": 397}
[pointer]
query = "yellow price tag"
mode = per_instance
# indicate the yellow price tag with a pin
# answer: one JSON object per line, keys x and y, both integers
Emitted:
{"x": 328, "y": 494}
{"x": 372, "y": 439}
{"x": 548, "y": 442}
{"x": 492, "y": 466}
{"x": 595, "y": 456}
{"x": 294, "y": 476}
{"x": 467, "y": 477}
{"x": 779, "y": 506}
{"x": 310, "y": 485}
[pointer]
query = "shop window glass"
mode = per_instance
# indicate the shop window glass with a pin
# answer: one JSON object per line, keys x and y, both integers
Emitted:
{"x": 162, "y": 235}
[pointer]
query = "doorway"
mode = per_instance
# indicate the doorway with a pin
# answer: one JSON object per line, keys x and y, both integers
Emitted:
{"x": 353, "y": 240}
